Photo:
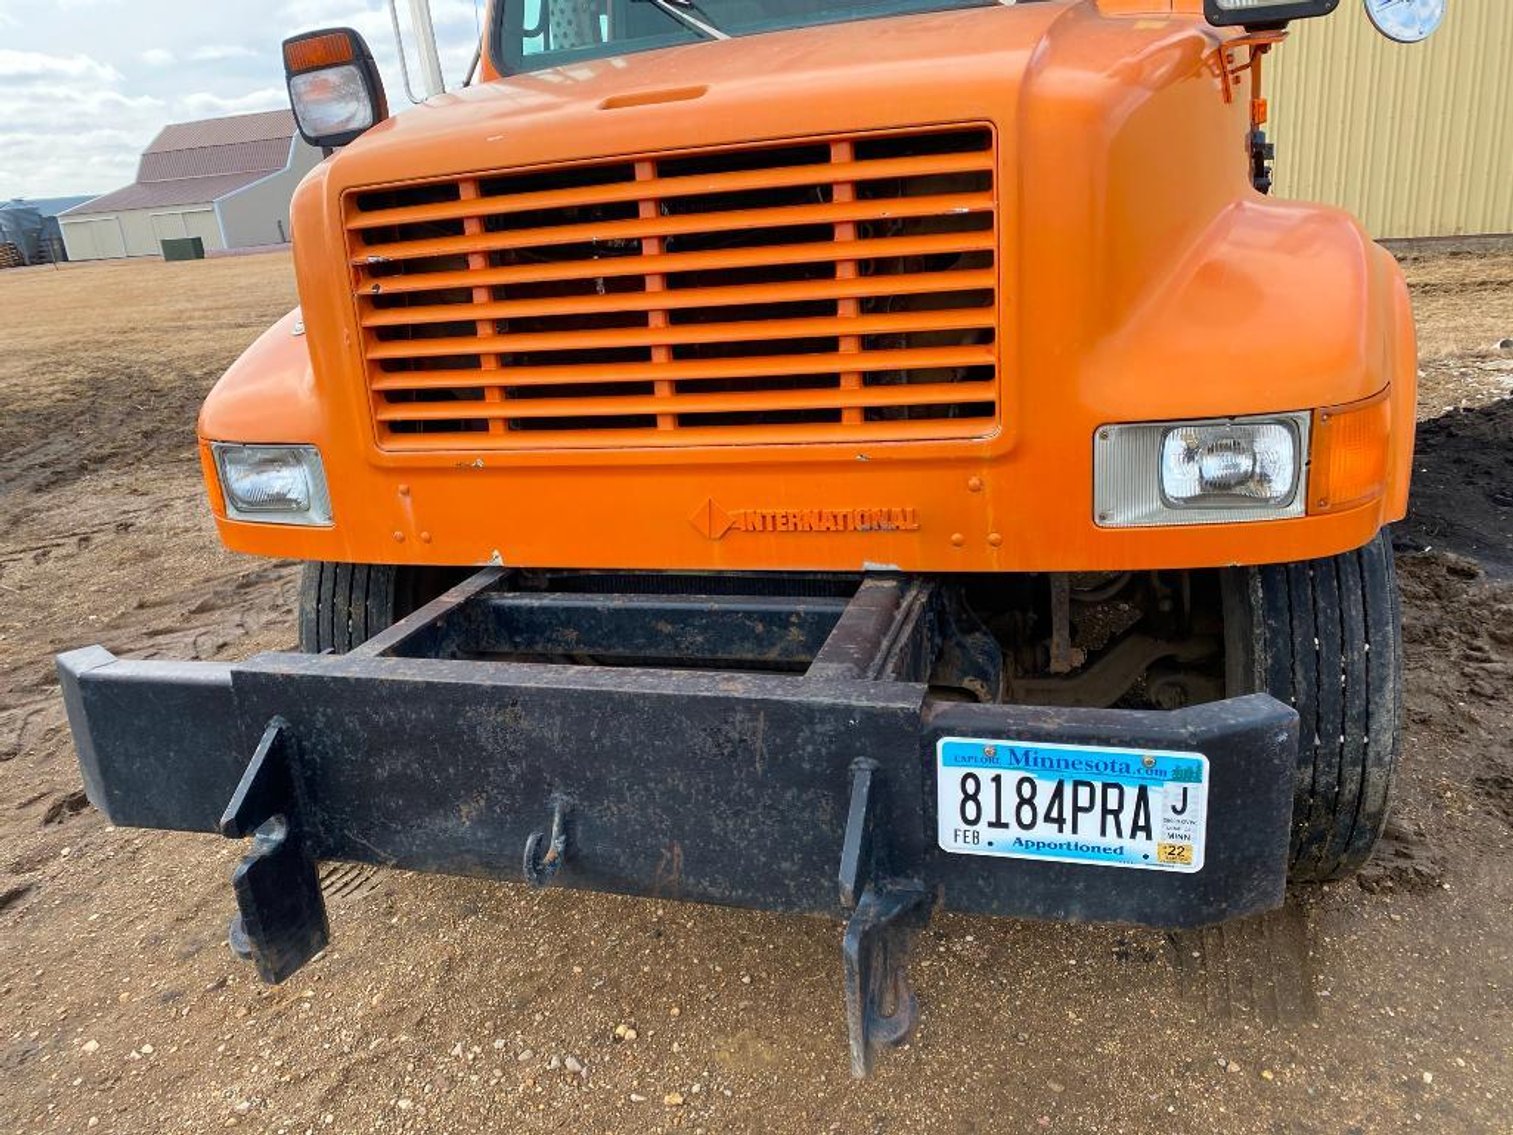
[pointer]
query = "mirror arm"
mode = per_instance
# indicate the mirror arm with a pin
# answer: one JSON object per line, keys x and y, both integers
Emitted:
{"x": 399, "y": 43}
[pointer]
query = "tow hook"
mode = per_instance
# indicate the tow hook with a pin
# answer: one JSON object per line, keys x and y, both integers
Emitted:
{"x": 540, "y": 869}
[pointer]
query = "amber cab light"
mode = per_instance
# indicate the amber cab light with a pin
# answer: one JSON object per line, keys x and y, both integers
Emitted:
{"x": 1349, "y": 459}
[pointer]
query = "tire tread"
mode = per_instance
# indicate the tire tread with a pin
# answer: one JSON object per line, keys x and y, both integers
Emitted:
{"x": 344, "y": 605}
{"x": 1324, "y": 637}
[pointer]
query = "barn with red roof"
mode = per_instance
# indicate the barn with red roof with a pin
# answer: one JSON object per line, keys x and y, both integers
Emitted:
{"x": 226, "y": 180}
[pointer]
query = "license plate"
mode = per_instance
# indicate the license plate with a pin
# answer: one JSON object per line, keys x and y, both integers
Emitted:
{"x": 1072, "y": 803}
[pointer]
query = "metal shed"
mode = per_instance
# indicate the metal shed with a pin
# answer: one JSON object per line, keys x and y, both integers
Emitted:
{"x": 1414, "y": 140}
{"x": 227, "y": 181}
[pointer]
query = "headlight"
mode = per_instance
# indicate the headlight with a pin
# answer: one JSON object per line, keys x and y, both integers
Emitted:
{"x": 1208, "y": 472}
{"x": 273, "y": 484}
{"x": 1230, "y": 463}
{"x": 1225, "y": 13}
{"x": 330, "y": 102}
{"x": 334, "y": 86}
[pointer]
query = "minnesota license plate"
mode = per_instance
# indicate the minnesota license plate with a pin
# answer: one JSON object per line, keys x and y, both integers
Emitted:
{"x": 1072, "y": 803}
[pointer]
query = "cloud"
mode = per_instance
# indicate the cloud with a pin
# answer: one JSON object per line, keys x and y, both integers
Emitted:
{"x": 60, "y": 110}
{"x": 216, "y": 52}
{"x": 306, "y": 15}
{"x": 86, "y": 84}
{"x": 59, "y": 104}
{"x": 96, "y": 160}
{"x": 24, "y": 65}
{"x": 207, "y": 105}
{"x": 74, "y": 140}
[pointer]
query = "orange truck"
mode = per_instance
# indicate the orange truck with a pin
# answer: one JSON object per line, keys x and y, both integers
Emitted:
{"x": 842, "y": 459}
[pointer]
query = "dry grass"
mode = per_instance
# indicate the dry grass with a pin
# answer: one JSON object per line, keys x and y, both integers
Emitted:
{"x": 1464, "y": 307}
{"x": 1464, "y": 303}
{"x": 172, "y": 320}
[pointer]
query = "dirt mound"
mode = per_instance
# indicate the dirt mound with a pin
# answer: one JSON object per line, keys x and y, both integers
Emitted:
{"x": 1458, "y": 628}
{"x": 1458, "y": 639}
{"x": 1463, "y": 487}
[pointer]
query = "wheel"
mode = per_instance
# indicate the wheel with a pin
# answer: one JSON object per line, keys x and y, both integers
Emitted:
{"x": 1324, "y": 636}
{"x": 343, "y": 605}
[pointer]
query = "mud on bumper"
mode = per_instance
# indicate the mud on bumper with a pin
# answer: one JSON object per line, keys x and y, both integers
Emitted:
{"x": 807, "y": 786}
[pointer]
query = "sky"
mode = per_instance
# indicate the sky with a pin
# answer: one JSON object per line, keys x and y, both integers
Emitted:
{"x": 86, "y": 84}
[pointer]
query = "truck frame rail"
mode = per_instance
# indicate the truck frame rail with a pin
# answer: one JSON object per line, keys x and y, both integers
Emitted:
{"x": 691, "y": 739}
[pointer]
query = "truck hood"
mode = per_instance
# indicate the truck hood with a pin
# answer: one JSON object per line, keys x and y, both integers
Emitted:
{"x": 953, "y": 66}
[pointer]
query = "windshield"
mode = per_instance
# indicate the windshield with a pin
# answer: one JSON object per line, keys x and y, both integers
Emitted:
{"x": 535, "y": 34}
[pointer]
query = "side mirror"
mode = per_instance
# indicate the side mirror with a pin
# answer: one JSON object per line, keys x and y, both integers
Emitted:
{"x": 1406, "y": 23}
{"x": 1264, "y": 13}
{"x": 334, "y": 86}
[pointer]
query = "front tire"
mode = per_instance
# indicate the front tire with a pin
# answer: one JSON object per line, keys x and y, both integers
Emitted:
{"x": 344, "y": 605}
{"x": 1324, "y": 636}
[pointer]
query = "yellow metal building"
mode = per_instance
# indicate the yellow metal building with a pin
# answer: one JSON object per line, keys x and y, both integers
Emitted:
{"x": 1416, "y": 140}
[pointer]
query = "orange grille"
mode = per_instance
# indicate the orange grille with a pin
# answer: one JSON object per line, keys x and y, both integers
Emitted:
{"x": 837, "y": 289}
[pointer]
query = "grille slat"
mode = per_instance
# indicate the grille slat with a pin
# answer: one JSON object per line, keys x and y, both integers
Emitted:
{"x": 637, "y": 228}
{"x": 796, "y": 434}
{"x": 673, "y": 187}
{"x": 685, "y": 335}
{"x": 772, "y": 256}
{"x": 840, "y": 289}
{"x": 877, "y": 396}
{"x": 924, "y": 359}
{"x": 980, "y": 280}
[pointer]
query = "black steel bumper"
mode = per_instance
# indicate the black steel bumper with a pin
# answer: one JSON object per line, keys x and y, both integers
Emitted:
{"x": 810, "y": 791}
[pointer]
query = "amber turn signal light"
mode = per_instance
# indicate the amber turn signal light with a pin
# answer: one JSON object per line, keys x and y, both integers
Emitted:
{"x": 1349, "y": 459}
{"x": 318, "y": 49}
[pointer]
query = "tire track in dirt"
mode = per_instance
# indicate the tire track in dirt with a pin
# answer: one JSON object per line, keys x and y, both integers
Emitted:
{"x": 104, "y": 533}
{"x": 1258, "y": 969}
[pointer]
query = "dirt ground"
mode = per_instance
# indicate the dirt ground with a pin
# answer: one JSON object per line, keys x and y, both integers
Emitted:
{"x": 1380, "y": 1004}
